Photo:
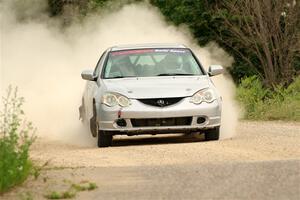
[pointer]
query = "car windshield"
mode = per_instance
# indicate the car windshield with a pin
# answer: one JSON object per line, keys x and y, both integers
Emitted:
{"x": 151, "y": 62}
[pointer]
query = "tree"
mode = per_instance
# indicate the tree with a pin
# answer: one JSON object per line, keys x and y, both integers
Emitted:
{"x": 266, "y": 35}
{"x": 207, "y": 24}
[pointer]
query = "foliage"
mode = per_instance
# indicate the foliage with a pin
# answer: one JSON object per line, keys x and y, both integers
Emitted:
{"x": 83, "y": 187}
{"x": 95, "y": 4}
{"x": 264, "y": 104}
{"x": 61, "y": 195}
{"x": 56, "y": 7}
{"x": 26, "y": 196}
{"x": 194, "y": 13}
{"x": 269, "y": 31}
{"x": 16, "y": 137}
{"x": 72, "y": 190}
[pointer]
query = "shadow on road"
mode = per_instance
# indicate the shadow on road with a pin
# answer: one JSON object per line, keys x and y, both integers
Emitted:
{"x": 157, "y": 139}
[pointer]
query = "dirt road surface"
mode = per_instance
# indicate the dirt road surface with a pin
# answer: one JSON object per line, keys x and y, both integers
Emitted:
{"x": 261, "y": 162}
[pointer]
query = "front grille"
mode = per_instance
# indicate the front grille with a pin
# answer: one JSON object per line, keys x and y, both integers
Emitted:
{"x": 175, "y": 121}
{"x": 161, "y": 102}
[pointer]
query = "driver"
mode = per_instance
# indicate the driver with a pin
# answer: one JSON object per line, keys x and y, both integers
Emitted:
{"x": 169, "y": 64}
{"x": 125, "y": 66}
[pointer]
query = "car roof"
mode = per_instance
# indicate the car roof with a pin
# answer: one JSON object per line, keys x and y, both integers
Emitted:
{"x": 146, "y": 46}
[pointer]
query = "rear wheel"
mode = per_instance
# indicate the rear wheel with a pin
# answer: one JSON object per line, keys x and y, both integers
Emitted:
{"x": 104, "y": 139}
{"x": 212, "y": 134}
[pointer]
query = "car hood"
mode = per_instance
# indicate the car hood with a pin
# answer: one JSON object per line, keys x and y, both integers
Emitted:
{"x": 156, "y": 87}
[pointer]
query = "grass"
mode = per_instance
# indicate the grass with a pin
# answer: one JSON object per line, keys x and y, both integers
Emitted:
{"x": 92, "y": 186}
{"x": 84, "y": 187}
{"x": 72, "y": 191}
{"x": 61, "y": 168}
{"x": 260, "y": 103}
{"x": 16, "y": 137}
{"x": 26, "y": 196}
{"x": 61, "y": 195}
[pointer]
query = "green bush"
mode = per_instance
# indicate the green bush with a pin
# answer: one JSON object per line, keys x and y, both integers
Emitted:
{"x": 16, "y": 137}
{"x": 261, "y": 103}
{"x": 72, "y": 191}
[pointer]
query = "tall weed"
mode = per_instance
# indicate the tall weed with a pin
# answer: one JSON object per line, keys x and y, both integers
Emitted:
{"x": 16, "y": 137}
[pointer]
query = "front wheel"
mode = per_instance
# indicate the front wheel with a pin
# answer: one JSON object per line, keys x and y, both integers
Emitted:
{"x": 104, "y": 139}
{"x": 93, "y": 122}
{"x": 212, "y": 134}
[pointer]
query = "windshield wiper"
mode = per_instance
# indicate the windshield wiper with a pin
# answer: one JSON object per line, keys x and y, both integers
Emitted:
{"x": 175, "y": 74}
{"x": 120, "y": 77}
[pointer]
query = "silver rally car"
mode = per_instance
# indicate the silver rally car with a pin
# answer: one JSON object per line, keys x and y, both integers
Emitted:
{"x": 150, "y": 89}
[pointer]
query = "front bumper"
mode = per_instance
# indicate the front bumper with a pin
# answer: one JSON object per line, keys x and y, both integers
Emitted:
{"x": 107, "y": 116}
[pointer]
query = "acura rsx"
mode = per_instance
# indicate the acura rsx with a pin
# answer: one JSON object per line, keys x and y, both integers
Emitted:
{"x": 150, "y": 89}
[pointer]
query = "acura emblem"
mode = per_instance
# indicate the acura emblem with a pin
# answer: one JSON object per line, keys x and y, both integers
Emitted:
{"x": 160, "y": 102}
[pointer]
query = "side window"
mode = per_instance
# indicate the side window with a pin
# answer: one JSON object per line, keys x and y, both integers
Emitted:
{"x": 99, "y": 64}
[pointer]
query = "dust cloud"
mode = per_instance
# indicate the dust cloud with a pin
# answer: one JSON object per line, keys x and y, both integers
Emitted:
{"x": 45, "y": 61}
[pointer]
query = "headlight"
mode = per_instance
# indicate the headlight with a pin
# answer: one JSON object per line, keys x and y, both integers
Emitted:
{"x": 206, "y": 95}
{"x": 113, "y": 99}
{"x": 123, "y": 101}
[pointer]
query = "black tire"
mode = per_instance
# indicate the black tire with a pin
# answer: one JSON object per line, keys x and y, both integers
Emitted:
{"x": 93, "y": 126}
{"x": 93, "y": 123}
{"x": 212, "y": 134}
{"x": 104, "y": 139}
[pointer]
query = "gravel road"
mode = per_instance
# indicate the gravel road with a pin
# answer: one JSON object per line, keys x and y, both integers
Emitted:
{"x": 261, "y": 162}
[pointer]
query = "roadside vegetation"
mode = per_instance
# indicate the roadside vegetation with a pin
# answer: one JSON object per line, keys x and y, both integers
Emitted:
{"x": 16, "y": 137}
{"x": 261, "y": 103}
{"x": 72, "y": 190}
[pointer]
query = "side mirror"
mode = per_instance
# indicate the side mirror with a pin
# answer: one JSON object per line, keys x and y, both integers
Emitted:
{"x": 88, "y": 75}
{"x": 214, "y": 70}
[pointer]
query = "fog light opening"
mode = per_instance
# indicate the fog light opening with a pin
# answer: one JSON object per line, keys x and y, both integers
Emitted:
{"x": 201, "y": 120}
{"x": 121, "y": 122}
